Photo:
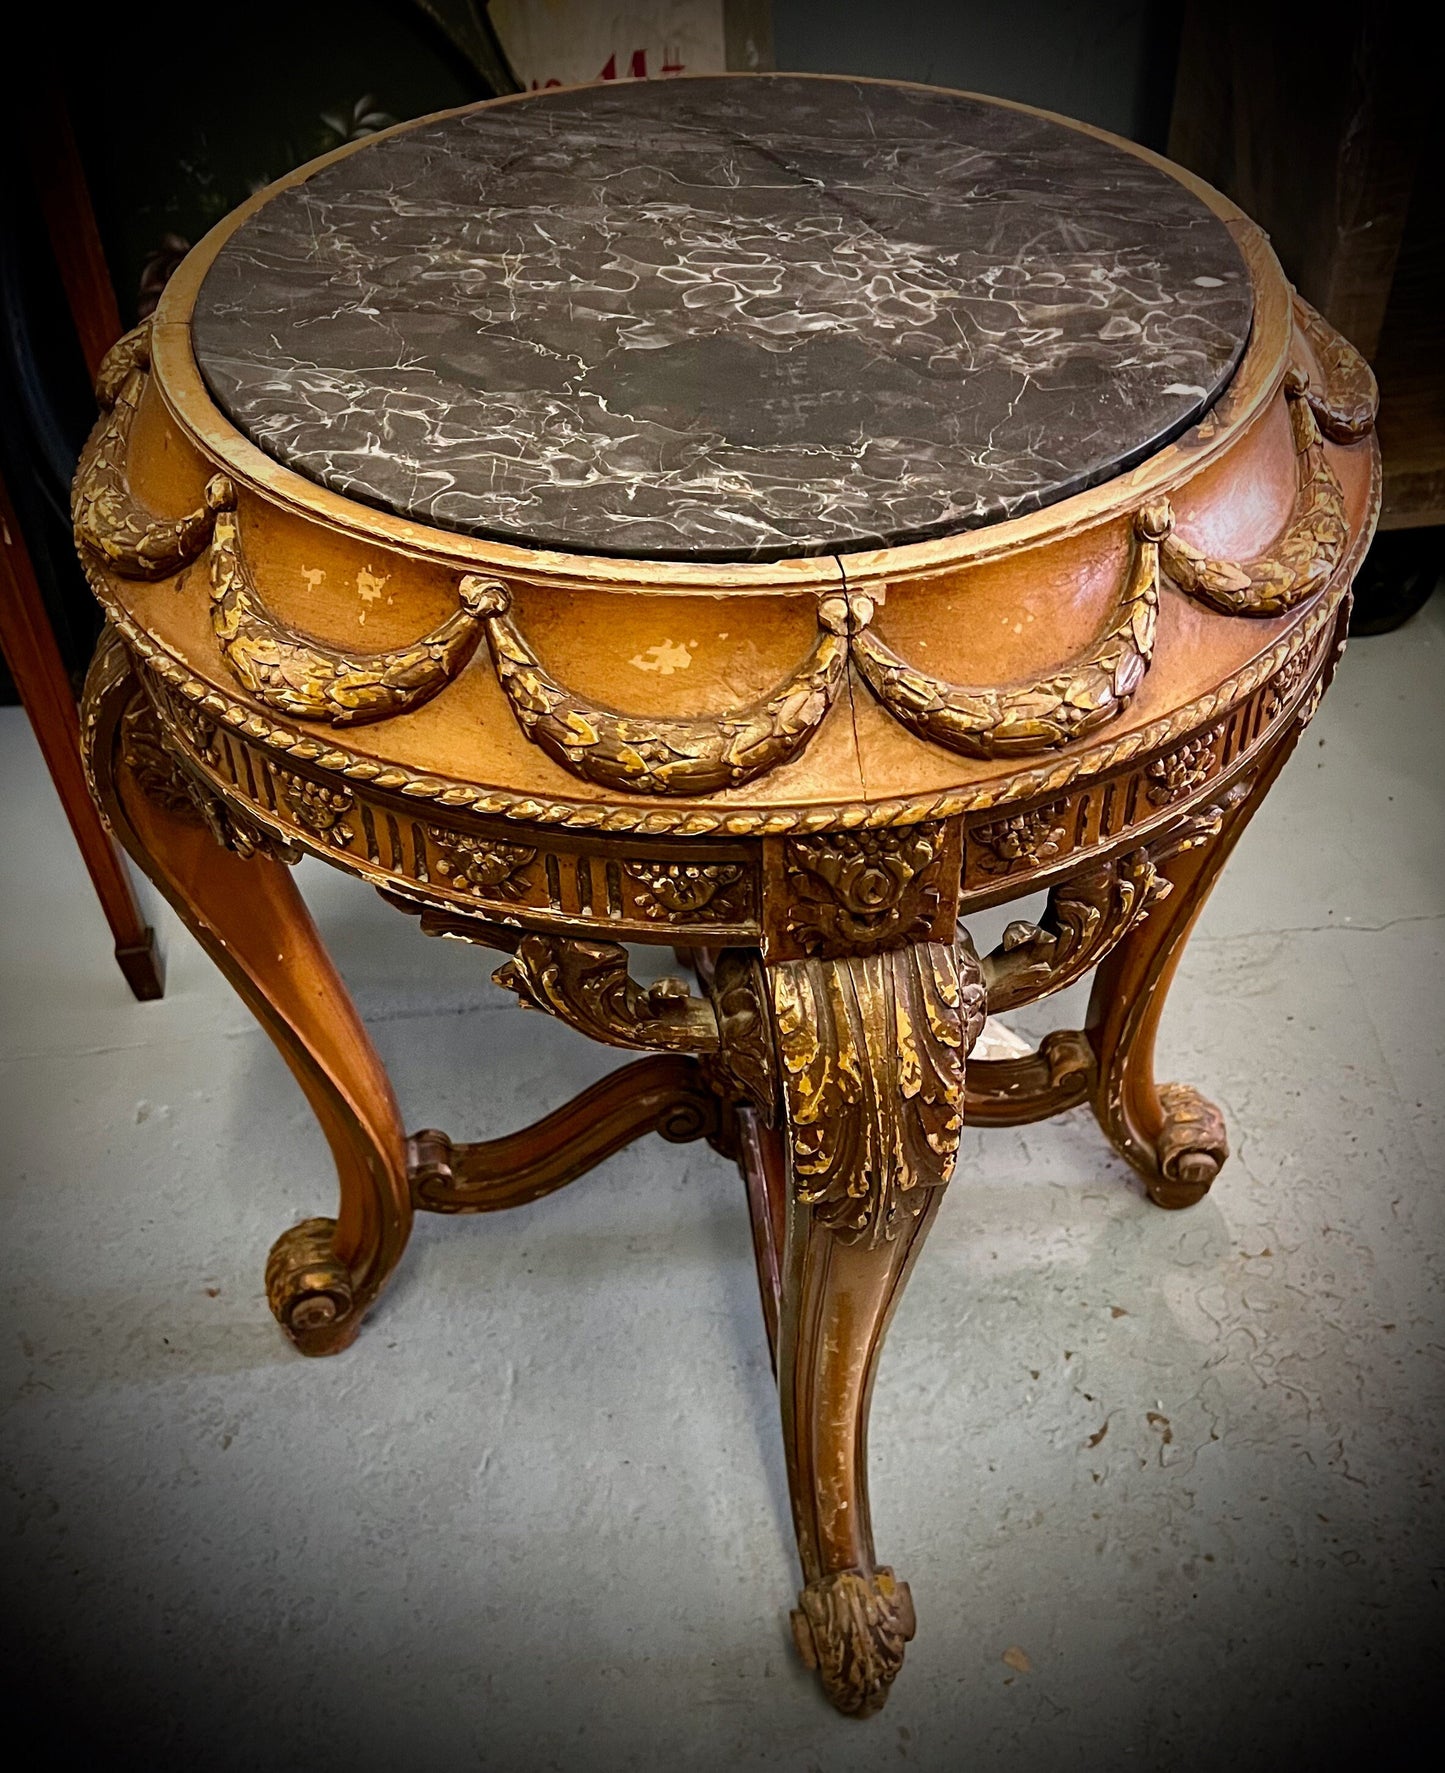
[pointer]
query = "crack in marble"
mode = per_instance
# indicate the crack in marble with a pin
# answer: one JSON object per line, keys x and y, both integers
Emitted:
{"x": 724, "y": 319}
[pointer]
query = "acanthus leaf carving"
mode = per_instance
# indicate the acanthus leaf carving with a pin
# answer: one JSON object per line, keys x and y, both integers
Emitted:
{"x": 871, "y": 1051}
{"x": 588, "y": 986}
{"x": 852, "y": 1629}
{"x": 1083, "y": 920}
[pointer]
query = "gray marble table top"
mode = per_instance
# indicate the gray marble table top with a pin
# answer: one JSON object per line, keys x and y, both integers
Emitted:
{"x": 723, "y": 319}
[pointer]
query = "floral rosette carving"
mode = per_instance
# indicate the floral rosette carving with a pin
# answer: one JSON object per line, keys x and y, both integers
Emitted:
{"x": 200, "y": 733}
{"x": 480, "y": 865}
{"x": 158, "y": 772}
{"x": 1023, "y": 840}
{"x": 1170, "y": 778}
{"x": 682, "y": 890}
{"x": 320, "y": 810}
{"x": 1287, "y": 680}
{"x": 855, "y": 890}
{"x": 167, "y": 783}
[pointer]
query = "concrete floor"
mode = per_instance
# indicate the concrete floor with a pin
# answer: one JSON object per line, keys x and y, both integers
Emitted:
{"x": 1164, "y": 1484}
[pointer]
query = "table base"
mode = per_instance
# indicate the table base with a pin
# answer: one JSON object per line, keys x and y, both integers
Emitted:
{"x": 844, "y": 1172}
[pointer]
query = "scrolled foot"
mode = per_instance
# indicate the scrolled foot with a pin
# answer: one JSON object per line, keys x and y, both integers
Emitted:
{"x": 852, "y": 1628}
{"x": 1192, "y": 1147}
{"x": 310, "y": 1290}
{"x": 700, "y": 1113}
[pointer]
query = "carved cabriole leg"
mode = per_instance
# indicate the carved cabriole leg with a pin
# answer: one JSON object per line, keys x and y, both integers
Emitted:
{"x": 246, "y": 913}
{"x": 1171, "y": 1135}
{"x": 871, "y": 1054}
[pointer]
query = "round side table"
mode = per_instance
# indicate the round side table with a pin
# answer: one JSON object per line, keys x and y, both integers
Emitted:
{"x": 771, "y": 517}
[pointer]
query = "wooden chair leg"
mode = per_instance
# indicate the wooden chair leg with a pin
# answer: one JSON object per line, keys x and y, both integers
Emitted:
{"x": 871, "y": 1053}
{"x": 35, "y": 664}
{"x": 244, "y": 909}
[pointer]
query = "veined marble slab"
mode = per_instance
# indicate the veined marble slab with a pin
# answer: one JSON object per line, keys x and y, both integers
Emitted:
{"x": 729, "y": 319}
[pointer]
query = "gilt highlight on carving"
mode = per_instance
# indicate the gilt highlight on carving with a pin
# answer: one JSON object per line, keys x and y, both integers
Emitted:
{"x": 1011, "y": 721}
{"x": 109, "y": 520}
{"x": 872, "y": 1054}
{"x": 1346, "y": 401}
{"x": 647, "y": 754}
{"x": 309, "y": 681}
{"x": 1302, "y": 562}
{"x": 717, "y": 384}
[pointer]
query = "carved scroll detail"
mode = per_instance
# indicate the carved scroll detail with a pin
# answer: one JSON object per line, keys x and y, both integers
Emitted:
{"x": 739, "y": 993}
{"x": 1084, "y": 918}
{"x": 109, "y": 520}
{"x": 307, "y": 1286}
{"x": 1075, "y": 700}
{"x": 852, "y": 1629}
{"x": 1204, "y": 824}
{"x": 1192, "y": 1145}
{"x": 588, "y": 986}
{"x": 1034, "y": 1086}
{"x": 872, "y": 1052}
{"x": 645, "y": 754}
{"x": 1304, "y": 558}
{"x": 285, "y": 670}
{"x": 1346, "y": 406}
{"x": 665, "y": 1094}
